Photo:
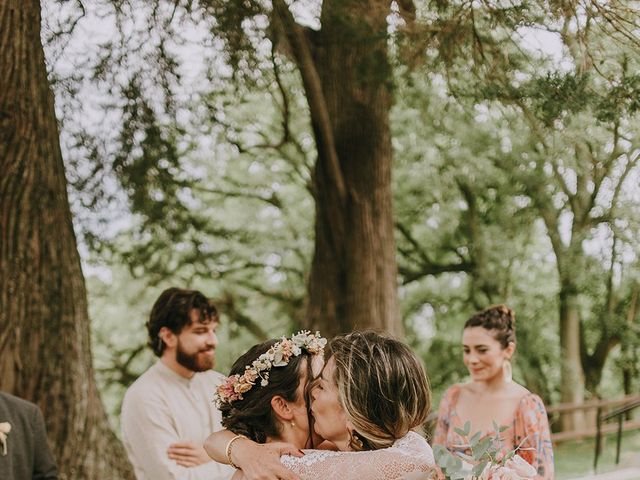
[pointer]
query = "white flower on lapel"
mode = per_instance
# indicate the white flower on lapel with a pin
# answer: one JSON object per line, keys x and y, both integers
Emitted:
{"x": 5, "y": 428}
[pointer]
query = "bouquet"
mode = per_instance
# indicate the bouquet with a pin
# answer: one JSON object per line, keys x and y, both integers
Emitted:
{"x": 485, "y": 460}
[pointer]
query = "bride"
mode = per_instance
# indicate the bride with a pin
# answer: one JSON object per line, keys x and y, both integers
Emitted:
{"x": 372, "y": 391}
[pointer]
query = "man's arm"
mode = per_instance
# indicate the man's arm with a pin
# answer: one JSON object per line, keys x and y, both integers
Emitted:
{"x": 148, "y": 430}
{"x": 257, "y": 461}
{"x": 44, "y": 466}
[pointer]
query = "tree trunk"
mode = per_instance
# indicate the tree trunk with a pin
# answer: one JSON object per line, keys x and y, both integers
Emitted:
{"x": 629, "y": 355}
{"x": 572, "y": 376}
{"x": 353, "y": 279}
{"x": 44, "y": 325}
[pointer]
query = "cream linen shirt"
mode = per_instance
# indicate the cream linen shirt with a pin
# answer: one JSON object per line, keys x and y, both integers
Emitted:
{"x": 162, "y": 407}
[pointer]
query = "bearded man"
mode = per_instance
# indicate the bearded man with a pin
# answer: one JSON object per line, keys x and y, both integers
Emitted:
{"x": 167, "y": 413}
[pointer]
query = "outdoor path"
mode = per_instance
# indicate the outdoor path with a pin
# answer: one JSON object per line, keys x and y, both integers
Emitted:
{"x": 632, "y": 473}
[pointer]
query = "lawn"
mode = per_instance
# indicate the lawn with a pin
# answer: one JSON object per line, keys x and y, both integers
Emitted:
{"x": 573, "y": 459}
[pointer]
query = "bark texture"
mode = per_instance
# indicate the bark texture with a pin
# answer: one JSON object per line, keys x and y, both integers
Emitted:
{"x": 347, "y": 80}
{"x": 44, "y": 325}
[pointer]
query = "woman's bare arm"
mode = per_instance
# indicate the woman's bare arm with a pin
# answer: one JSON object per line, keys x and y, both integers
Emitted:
{"x": 257, "y": 461}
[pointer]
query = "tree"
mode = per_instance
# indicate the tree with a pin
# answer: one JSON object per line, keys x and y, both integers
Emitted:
{"x": 581, "y": 149}
{"x": 347, "y": 79}
{"x": 44, "y": 341}
{"x": 345, "y": 74}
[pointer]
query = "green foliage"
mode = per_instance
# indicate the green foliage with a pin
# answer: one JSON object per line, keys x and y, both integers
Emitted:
{"x": 621, "y": 100}
{"x": 557, "y": 93}
{"x": 237, "y": 24}
{"x": 506, "y": 166}
{"x": 483, "y": 451}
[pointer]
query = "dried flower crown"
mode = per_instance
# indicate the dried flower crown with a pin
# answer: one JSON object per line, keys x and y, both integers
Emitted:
{"x": 277, "y": 356}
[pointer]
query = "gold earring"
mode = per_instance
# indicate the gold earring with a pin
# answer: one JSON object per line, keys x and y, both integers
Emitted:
{"x": 355, "y": 442}
{"x": 293, "y": 425}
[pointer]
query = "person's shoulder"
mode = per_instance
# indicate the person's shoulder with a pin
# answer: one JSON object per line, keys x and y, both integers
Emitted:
{"x": 528, "y": 400}
{"x": 454, "y": 390}
{"x": 211, "y": 377}
{"x": 17, "y": 403}
{"x": 522, "y": 392}
{"x": 146, "y": 384}
{"x": 449, "y": 399}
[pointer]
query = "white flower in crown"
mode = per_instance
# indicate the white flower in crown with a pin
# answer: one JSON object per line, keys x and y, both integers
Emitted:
{"x": 278, "y": 355}
{"x": 5, "y": 428}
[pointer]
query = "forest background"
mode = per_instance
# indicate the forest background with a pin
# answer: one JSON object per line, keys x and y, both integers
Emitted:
{"x": 337, "y": 165}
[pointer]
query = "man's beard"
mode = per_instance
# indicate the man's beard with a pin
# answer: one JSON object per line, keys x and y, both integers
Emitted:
{"x": 196, "y": 362}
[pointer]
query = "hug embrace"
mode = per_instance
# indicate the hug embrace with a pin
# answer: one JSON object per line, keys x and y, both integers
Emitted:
{"x": 302, "y": 407}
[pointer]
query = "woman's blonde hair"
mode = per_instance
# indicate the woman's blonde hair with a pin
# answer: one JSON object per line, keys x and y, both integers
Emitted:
{"x": 382, "y": 386}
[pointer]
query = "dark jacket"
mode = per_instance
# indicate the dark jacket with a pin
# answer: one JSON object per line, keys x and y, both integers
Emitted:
{"x": 28, "y": 455}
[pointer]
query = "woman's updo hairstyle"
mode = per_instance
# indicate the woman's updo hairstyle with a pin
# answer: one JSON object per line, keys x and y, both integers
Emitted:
{"x": 499, "y": 319}
{"x": 253, "y": 416}
{"x": 382, "y": 386}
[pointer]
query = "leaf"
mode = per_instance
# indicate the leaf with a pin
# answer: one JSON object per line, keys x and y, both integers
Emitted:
{"x": 460, "y": 432}
{"x": 479, "y": 468}
{"x": 467, "y": 428}
{"x": 481, "y": 449}
{"x": 474, "y": 439}
{"x": 454, "y": 463}
{"x": 441, "y": 454}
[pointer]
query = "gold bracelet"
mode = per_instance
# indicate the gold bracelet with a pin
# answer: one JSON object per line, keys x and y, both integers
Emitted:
{"x": 228, "y": 450}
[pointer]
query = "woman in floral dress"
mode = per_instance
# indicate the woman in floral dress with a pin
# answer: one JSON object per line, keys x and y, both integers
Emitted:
{"x": 492, "y": 398}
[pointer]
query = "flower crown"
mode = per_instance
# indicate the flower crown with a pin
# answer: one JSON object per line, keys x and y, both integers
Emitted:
{"x": 277, "y": 356}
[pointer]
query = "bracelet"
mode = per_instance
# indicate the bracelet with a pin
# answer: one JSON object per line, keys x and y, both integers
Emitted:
{"x": 228, "y": 450}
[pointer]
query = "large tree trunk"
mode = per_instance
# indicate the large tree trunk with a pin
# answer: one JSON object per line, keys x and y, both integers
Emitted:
{"x": 572, "y": 376}
{"x": 44, "y": 325}
{"x": 353, "y": 280}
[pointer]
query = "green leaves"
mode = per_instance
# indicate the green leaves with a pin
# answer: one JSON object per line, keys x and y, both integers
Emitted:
{"x": 450, "y": 464}
{"x": 464, "y": 431}
{"x": 484, "y": 451}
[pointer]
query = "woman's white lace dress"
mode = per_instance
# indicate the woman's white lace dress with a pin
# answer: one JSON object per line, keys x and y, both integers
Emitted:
{"x": 409, "y": 455}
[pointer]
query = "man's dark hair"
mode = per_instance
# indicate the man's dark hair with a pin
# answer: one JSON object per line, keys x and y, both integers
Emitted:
{"x": 172, "y": 309}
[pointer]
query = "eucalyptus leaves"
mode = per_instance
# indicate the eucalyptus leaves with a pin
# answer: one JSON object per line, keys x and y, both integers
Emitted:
{"x": 485, "y": 461}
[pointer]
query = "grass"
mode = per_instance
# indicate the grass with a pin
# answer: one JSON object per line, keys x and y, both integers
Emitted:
{"x": 573, "y": 459}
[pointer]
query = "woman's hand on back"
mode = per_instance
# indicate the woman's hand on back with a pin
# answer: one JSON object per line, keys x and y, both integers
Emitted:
{"x": 262, "y": 461}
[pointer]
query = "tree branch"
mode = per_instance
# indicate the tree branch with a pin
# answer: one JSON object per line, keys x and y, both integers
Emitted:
{"x": 272, "y": 198}
{"x": 315, "y": 96}
{"x": 227, "y": 304}
{"x": 411, "y": 275}
{"x": 633, "y": 161}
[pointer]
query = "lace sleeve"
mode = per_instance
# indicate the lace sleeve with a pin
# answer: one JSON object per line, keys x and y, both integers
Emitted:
{"x": 411, "y": 454}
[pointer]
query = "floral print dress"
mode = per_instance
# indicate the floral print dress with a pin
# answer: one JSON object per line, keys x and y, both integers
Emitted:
{"x": 529, "y": 429}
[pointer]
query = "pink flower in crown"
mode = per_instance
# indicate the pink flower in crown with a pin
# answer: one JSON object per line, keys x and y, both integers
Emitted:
{"x": 226, "y": 392}
{"x": 278, "y": 355}
{"x": 242, "y": 387}
{"x": 250, "y": 375}
{"x": 286, "y": 346}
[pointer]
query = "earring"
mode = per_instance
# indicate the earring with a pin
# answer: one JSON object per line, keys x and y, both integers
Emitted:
{"x": 507, "y": 371}
{"x": 293, "y": 425}
{"x": 355, "y": 442}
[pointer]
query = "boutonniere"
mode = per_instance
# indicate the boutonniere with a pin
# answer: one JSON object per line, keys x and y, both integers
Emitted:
{"x": 5, "y": 428}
